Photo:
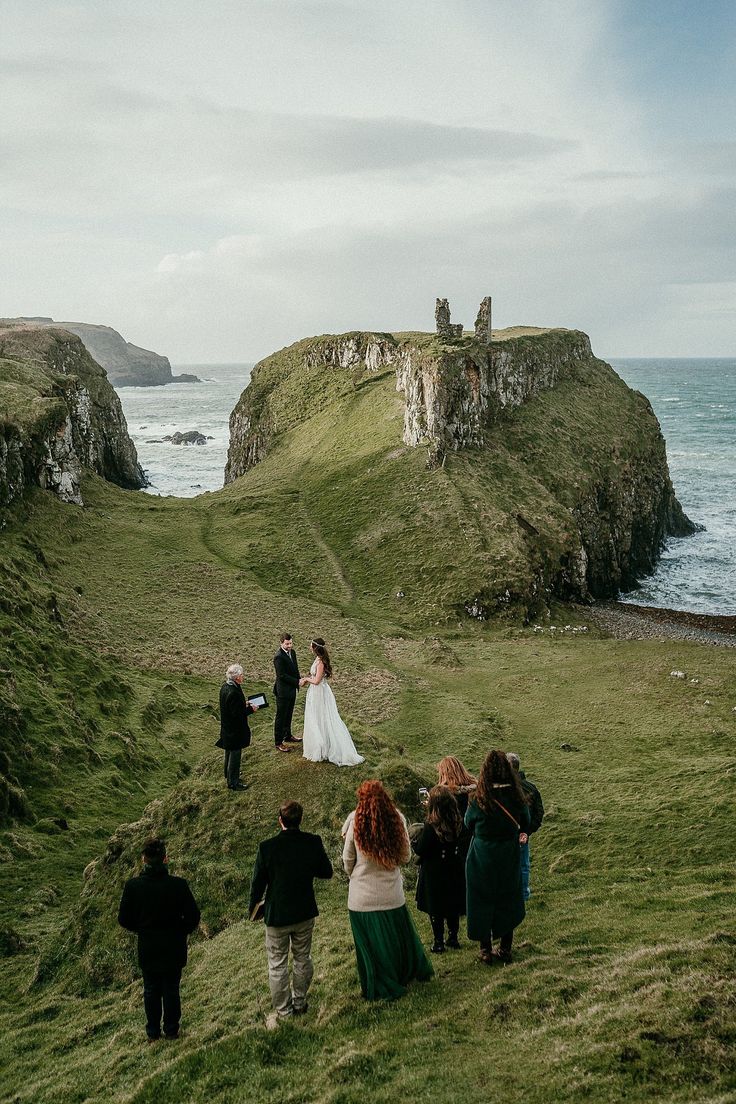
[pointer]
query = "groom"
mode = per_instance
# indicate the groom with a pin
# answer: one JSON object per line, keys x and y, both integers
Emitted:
{"x": 285, "y": 689}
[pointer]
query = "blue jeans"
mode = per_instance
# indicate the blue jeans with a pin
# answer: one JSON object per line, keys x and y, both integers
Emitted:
{"x": 525, "y": 867}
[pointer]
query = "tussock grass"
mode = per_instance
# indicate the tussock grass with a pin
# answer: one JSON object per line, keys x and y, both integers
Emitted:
{"x": 116, "y": 623}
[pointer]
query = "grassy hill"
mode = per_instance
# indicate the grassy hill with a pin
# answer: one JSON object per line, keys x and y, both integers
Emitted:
{"x": 116, "y": 623}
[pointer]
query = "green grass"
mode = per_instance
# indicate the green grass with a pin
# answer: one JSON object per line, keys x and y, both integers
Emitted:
{"x": 116, "y": 623}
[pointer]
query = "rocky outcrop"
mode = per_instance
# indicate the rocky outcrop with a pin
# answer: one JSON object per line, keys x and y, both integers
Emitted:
{"x": 257, "y": 419}
{"x": 126, "y": 365}
{"x": 191, "y": 437}
{"x": 60, "y": 415}
{"x": 459, "y": 392}
{"x": 453, "y": 386}
{"x": 625, "y": 522}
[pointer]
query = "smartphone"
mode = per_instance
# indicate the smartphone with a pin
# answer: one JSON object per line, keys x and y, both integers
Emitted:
{"x": 423, "y": 793}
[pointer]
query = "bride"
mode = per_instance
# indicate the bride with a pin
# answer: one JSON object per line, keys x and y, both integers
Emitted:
{"x": 325, "y": 734}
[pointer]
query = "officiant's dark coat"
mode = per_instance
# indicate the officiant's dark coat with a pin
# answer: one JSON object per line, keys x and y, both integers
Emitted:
{"x": 234, "y": 713}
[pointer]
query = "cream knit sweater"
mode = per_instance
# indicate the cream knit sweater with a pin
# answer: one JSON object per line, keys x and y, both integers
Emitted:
{"x": 373, "y": 888}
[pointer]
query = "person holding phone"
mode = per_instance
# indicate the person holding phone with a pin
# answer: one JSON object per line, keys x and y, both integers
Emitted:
{"x": 441, "y": 847}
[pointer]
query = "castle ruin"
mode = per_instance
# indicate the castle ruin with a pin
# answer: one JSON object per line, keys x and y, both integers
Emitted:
{"x": 450, "y": 331}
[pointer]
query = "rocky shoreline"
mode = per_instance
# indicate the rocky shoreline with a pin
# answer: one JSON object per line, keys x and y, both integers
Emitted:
{"x": 632, "y": 622}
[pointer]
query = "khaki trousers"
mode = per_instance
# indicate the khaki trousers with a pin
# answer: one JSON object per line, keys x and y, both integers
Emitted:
{"x": 297, "y": 938}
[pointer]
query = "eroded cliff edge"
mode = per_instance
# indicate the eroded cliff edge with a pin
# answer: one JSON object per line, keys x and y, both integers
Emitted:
{"x": 532, "y": 427}
{"x": 59, "y": 414}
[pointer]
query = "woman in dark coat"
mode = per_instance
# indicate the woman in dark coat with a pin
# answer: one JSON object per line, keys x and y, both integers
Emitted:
{"x": 496, "y": 816}
{"x": 441, "y": 847}
{"x": 234, "y": 727}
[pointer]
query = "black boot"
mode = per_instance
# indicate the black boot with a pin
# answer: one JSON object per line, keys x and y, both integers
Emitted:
{"x": 438, "y": 931}
{"x": 453, "y": 924}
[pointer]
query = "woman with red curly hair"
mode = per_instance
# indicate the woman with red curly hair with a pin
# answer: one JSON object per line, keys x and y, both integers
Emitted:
{"x": 387, "y": 946}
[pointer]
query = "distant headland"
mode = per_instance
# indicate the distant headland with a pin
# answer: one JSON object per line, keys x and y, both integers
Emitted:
{"x": 126, "y": 365}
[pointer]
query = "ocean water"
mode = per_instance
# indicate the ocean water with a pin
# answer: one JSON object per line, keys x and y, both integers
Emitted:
{"x": 695, "y": 401}
{"x": 156, "y": 412}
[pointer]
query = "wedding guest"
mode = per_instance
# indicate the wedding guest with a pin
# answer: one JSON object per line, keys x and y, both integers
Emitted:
{"x": 284, "y": 872}
{"x": 452, "y": 773}
{"x": 387, "y": 947}
{"x": 497, "y": 813}
{"x": 234, "y": 727}
{"x": 162, "y": 910}
{"x": 536, "y": 815}
{"x": 441, "y": 850}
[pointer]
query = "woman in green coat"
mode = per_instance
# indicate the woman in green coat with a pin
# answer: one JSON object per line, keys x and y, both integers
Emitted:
{"x": 497, "y": 815}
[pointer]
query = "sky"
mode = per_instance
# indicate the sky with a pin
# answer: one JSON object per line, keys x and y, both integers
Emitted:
{"x": 219, "y": 180}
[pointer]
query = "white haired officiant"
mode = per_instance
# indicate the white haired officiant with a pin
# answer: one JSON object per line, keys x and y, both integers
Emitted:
{"x": 234, "y": 728}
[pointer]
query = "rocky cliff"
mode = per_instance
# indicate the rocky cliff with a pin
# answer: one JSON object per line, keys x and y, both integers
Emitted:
{"x": 534, "y": 403}
{"x": 126, "y": 365}
{"x": 58, "y": 415}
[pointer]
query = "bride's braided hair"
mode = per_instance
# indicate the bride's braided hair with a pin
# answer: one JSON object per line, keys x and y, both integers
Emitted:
{"x": 320, "y": 650}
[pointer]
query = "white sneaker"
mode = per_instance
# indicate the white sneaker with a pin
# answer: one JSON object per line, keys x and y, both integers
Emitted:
{"x": 273, "y": 1019}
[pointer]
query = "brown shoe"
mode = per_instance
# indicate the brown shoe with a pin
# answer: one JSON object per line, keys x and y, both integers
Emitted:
{"x": 280, "y": 747}
{"x": 487, "y": 958}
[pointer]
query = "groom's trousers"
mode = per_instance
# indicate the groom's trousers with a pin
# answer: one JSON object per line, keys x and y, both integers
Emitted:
{"x": 282, "y": 720}
{"x": 297, "y": 937}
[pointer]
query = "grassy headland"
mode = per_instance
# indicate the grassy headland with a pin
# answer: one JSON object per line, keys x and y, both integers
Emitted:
{"x": 117, "y": 621}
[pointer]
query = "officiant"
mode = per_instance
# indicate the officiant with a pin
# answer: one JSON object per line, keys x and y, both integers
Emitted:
{"x": 234, "y": 727}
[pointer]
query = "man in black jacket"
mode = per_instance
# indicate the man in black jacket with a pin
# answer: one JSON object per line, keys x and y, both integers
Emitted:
{"x": 285, "y": 869}
{"x": 536, "y": 814}
{"x": 162, "y": 910}
{"x": 285, "y": 689}
{"x": 234, "y": 728}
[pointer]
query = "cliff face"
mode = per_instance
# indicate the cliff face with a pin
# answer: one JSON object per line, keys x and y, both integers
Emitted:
{"x": 59, "y": 415}
{"x": 126, "y": 365}
{"x": 452, "y": 389}
{"x": 535, "y": 403}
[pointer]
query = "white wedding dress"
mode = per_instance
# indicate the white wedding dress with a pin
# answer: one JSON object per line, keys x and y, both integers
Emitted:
{"x": 325, "y": 733}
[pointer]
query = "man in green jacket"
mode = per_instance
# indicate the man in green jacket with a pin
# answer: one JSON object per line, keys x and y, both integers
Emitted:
{"x": 283, "y": 878}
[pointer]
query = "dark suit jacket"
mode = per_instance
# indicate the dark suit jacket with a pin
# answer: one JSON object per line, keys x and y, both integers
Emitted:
{"x": 287, "y": 674}
{"x": 234, "y": 713}
{"x": 536, "y": 806}
{"x": 162, "y": 910}
{"x": 285, "y": 869}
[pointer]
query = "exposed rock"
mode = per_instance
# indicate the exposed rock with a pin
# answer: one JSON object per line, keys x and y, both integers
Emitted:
{"x": 446, "y": 329}
{"x": 483, "y": 330}
{"x": 458, "y": 394}
{"x": 191, "y": 437}
{"x": 126, "y": 365}
{"x": 60, "y": 416}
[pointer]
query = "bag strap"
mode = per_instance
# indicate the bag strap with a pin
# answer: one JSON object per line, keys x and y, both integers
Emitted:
{"x": 508, "y": 814}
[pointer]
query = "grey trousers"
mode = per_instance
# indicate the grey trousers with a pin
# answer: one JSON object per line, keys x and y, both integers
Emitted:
{"x": 297, "y": 937}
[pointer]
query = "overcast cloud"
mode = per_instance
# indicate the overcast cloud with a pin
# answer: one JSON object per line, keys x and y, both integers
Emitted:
{"x": 216, "y": 181}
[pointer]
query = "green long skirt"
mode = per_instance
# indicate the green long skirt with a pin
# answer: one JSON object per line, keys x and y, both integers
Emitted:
{"x": 389, "y": 953}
